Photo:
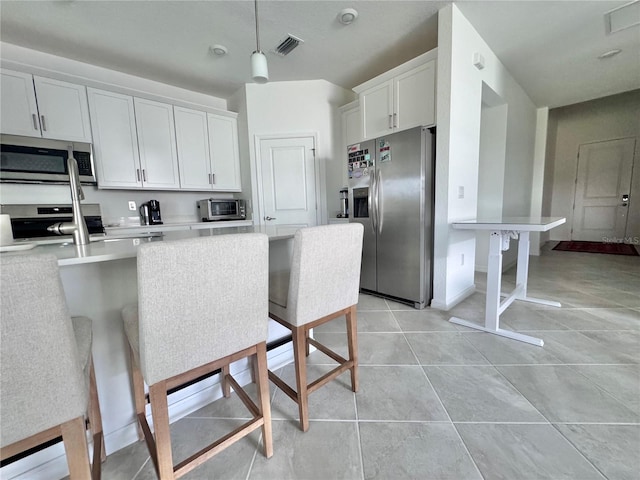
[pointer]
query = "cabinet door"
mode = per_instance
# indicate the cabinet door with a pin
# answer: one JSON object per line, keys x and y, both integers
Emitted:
{"x": 376, "y": 104}
{"x": 225, "y": 160}
{"x": 157, "y": 144}
{"x": 192, "y": 140}
{"x": 351, "y": 126}
{"x": 415, "y": 97}
{"x": 64, "y": 113}
{"x": 115, "y": 142}
{"x": 18, "y": 105}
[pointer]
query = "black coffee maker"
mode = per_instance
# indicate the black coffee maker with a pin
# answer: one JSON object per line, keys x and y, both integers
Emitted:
{"x": 150, "y": 213}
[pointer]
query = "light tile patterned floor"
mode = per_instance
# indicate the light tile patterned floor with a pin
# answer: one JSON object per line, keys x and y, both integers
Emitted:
{"x": 440, "y": 401}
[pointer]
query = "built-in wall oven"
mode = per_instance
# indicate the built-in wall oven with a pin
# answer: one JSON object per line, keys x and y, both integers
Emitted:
{"x": 31, "y": 221}
{"x": 33, "y": 160}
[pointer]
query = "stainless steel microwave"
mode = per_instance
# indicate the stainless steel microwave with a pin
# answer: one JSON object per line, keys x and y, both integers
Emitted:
{"x": 26, "y": 160}
{"x": 213, "y": 209}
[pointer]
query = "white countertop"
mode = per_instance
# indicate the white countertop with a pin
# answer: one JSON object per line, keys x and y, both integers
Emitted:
{"x": 168, "y": 226}
{"x": 522, "y": 224}
{"x": 114, "y": 247}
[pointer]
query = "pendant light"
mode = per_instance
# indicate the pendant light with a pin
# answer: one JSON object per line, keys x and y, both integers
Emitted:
{"x": 259, "y": 69}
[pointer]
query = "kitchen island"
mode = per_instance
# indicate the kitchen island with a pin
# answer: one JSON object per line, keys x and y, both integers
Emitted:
{"x": 99, "y": 279}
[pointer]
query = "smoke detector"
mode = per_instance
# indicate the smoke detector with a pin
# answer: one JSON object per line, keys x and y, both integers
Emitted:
{"x": 347, "y": 16}
{"x": 218, "y": 50}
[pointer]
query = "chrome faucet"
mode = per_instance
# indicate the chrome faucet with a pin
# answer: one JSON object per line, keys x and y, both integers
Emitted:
{"x": 78, "y": 227}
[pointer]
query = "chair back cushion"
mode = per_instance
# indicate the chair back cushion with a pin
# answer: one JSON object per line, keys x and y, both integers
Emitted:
{"x": 41, "y": 378}
{"x": 200, "y": 300}
{"x": 325, "y": 271}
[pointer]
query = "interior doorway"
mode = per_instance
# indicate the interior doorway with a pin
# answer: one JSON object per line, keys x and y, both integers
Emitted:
{"x": 603, "y": 187}
{"x": 287, "y": 180}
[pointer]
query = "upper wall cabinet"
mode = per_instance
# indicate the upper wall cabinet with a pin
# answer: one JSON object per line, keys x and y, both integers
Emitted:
{"x": 225, "y": 159}
{"x": 207, "y": 151}
{"x": 351, "y": 124}
{"x": 157, "y": 144}
{"x": 400, "y": 99}
{"x": 115, "y": 141}
{"x": 134, "y": 142}
{"x": 55, "y": 109}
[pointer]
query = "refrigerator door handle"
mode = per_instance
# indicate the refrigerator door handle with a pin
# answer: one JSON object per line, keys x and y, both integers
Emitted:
{"x": 379, "y": 203}
{"x": 371, "y": 206}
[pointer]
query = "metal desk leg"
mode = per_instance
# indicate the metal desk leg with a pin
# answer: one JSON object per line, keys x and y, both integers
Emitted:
{"x": 493, "y": 307}
{"x": 523, "y": 273}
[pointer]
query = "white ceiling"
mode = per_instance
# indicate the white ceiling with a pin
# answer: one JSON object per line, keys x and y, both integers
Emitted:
{"x": 550, "y": 47}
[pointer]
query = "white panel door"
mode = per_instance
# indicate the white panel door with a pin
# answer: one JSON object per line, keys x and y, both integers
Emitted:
{"x": 64, "y": 113}
{"x": 192, "y": 139}
{"x": 376, "y": 105}
{"x": 414, "y": 97}
{"x": 157, "y": 144}
{"x": 288, "y": 181}
{"x": 115, "y": 142}
{"x": 18, "y": 105}
{"x": 225, "y": 159}
{"x": 604, "y": 178}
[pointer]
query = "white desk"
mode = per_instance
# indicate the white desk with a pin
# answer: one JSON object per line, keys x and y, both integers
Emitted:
{"x": 502, "y": 230}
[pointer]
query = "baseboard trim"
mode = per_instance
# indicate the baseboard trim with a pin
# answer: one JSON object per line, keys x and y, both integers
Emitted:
{"x": 454, "y": 301}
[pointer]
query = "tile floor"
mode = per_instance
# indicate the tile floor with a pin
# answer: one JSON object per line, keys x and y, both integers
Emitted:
{"x": 440, "y": 401}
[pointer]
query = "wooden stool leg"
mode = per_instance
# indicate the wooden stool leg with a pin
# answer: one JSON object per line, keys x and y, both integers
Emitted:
{"x": 300, "y": 360}
{"x": 75, "y": 445}
{"x": 138, "y": 391}
{"x": 352, "y": 340}
{"x": 306, "y": 342}
{"x": 160, "y": 412}
{"x": 226, "y": 388}
{"x": 263, "y": 395}
{"x": 95, "y": 417}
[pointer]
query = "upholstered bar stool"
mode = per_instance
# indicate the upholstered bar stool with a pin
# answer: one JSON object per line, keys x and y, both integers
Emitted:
{"x": 47, "y": 377}
{"x": 322, "y": 285}
{"x": 202, "y": 304}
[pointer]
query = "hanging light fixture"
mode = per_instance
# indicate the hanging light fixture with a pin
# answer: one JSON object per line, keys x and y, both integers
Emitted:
{"x": 259, "y": 69}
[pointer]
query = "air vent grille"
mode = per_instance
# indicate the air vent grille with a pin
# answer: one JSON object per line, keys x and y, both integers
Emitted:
{"x": 287, "y": 45}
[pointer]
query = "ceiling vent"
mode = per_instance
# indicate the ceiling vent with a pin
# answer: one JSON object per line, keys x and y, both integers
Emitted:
{"x": 622, "y": 17}
{"x": 287, "y": 45}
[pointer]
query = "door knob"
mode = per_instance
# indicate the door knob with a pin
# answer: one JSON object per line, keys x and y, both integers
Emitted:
{"x": 269, "y": 218}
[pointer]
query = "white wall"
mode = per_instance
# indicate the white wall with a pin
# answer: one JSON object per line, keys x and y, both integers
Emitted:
{"x": 538, "y": 175}
{"x": 175, "y": 206}
{"x": 607, "y": 118}
{"x": 300, "y": 107}
{"x": 458, "y": 144}
{"x": 493, "y": 140}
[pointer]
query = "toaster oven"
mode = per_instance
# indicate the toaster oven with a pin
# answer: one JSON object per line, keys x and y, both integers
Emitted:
{"x": 213, "y": 209}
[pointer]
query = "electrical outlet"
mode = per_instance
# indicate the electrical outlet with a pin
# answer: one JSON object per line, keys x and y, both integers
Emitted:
{"x": 132, "y": 206}
{"x": 461, "y": 192}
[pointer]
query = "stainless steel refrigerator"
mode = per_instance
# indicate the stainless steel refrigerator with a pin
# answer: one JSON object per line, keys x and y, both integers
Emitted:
{"x": 391, "y": 194}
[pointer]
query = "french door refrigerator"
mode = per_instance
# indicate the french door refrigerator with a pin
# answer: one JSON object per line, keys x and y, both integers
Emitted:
{"x": 391, "y": 194}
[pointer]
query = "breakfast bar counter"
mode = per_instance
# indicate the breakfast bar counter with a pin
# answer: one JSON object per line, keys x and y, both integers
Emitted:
{"x": 101, "y": 278}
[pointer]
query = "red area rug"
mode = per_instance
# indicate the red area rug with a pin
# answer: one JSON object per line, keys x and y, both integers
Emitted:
{"x": 597, "y": 247}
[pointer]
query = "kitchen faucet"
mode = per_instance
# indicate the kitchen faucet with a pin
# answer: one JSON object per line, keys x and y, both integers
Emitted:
{"x": 77, "y": 227}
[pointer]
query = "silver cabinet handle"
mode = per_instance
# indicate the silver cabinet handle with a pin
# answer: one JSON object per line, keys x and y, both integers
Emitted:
{"x": 144, "y": 175}
{"x": 210, "y": 182}
{"x": 42, "y": 122}
{"x": 138, "y": 173}
{"x": 213, "y": 179}
{"x": 35, "y": 121}
{"x": 395, "y": 120}
{"x": 269, "y": 218}
{"x": 390, "y": 121}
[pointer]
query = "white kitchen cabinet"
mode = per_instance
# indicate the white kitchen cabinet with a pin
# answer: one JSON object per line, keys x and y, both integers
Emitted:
{"x": 115, "y": 141}
{"x": 351, "y": 124}
{"x": 400, "y": 99}
{"x": 157, "y": 144}
{"x": 18, "y": 105}
{"x": 225, "y": 159}
{"x": 60, "y": 111}
{"x": 192, "y": 139}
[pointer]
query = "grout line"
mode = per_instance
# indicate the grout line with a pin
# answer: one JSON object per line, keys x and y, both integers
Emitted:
{"x": 568, "y": 440}
{"x": 141, "y": 468}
